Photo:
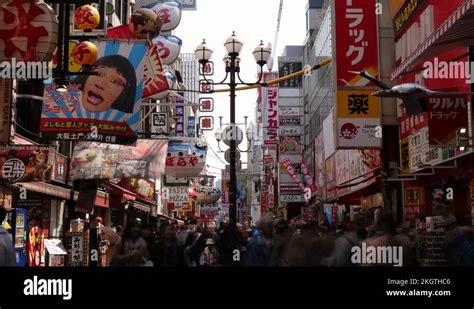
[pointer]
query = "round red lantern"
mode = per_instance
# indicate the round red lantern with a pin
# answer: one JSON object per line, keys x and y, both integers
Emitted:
{"x": 87, "y": 17}
{"x": 27, "y": 34}
{"x": 84, "y": 53}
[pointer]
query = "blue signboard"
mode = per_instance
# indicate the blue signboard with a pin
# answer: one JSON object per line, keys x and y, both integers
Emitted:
{"x": 191, "y": 126}
{"x": 180, "y": 114}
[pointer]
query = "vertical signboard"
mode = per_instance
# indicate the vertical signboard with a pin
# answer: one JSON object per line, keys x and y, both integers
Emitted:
{"x": 270, "y": 110}
{"x": 287, "y": 66}
{"x": 6, "y": 92}
{"x": 180, "y": 114}
{"x": 191, "y": 126}
{"x": 356, "y": 48}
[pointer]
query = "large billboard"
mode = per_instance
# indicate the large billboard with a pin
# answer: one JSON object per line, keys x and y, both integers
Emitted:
{"x": 92, "y": 160}
{"x": 103, "y": 106}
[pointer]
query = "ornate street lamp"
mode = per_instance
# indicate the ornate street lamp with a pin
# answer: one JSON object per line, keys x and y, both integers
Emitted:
{"x": 232, "y": 61}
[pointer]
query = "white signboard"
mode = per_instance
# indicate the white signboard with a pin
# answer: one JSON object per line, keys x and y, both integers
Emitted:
{"x": 159, "y": 123}
{"x": 290, "y": 111}
{"x": 178, "y": 195}
{"x": 291, "y": 198}
{"x": 290, "y": 130}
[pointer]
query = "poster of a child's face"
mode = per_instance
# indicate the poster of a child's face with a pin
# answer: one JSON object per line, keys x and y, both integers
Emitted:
{"x": 106, "y": 95}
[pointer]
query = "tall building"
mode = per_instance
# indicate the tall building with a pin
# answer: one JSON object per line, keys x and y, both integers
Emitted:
{"x": 188, "y": 66}
{"x": 291, "y": 141}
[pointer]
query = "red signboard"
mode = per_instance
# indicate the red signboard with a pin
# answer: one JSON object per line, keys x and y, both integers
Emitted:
{"x": 446, "y": 115}
{"x": 356, "y": 40}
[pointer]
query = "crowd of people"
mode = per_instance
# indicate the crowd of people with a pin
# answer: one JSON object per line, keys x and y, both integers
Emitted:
{"x": 272, "y": 242}
{"x": 276, "y": 243}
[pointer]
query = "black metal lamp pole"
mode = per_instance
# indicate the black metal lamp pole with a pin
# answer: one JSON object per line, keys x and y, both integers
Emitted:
{"x": 261, "y": 54}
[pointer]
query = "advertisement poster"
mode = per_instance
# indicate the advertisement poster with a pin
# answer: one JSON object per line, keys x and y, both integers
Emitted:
{"x": 93, "y": 160}
{"x": 102, "y": 107}
{"x": 60, "y": 169}
{"x": 26, "y": 163}
{"x": 177, "y": 197}
{"x": 77, "y": 249}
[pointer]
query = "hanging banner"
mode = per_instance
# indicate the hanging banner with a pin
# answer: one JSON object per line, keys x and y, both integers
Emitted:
{"x": 308, "y": 178}
{"x": 320, "y": 167}
{"x": 270, "y": 110}
{"x": 154, "y": 78}
{"x": 36, "y": 247}
{"x": 414, "y": 199}
{"x": 191, "y": 126}
{"x": 103, "y": 107}
{"x": 93, "y": 160}
{"x": 26, "y": 163}
{"x": 291, "y": 171}
{"x": 6, "y": 91}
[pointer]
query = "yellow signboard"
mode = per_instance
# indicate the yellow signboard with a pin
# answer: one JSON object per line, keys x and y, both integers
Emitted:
{"x": 357, "y": 104}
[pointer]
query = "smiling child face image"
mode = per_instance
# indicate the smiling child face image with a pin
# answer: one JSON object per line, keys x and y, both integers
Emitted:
{"x": 102, "y": 90}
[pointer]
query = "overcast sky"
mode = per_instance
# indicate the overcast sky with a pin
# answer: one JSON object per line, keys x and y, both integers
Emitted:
{"x": 252, "y": 21}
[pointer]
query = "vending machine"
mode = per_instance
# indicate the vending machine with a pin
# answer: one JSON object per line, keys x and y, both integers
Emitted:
{"x": 19, "y": 219}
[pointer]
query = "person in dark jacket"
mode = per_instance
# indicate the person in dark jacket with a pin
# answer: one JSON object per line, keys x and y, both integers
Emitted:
{"x": 148, "y": 234}
{"x": 7, "y": 250}
{"x": 166, "y": 252}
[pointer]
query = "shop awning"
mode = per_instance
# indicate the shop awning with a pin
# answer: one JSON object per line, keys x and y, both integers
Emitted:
{"x": 49, "y": 189}
{"x": 180, "y": 222}
{"x": 128, "y": 195}
{"x": 455, "y": 31}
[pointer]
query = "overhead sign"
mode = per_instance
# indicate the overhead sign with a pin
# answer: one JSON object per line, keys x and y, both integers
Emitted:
{"x": 159, "y": 123}
{"x": 290, "y": 120}
{"x": 178, "y": 196}
{"x": 191, "y": 126}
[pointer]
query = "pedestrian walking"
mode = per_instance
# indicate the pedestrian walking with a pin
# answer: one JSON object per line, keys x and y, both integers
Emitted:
{"x": 210, "y": 256}
{"x": 133, "y": 249}
{"x": 167, "y": 252}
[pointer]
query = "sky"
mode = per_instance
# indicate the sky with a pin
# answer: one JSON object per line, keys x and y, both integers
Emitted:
{"x": 252, "y": 21}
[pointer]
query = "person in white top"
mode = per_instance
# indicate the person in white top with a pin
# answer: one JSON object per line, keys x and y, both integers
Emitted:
{"x": 210, "y": 256}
